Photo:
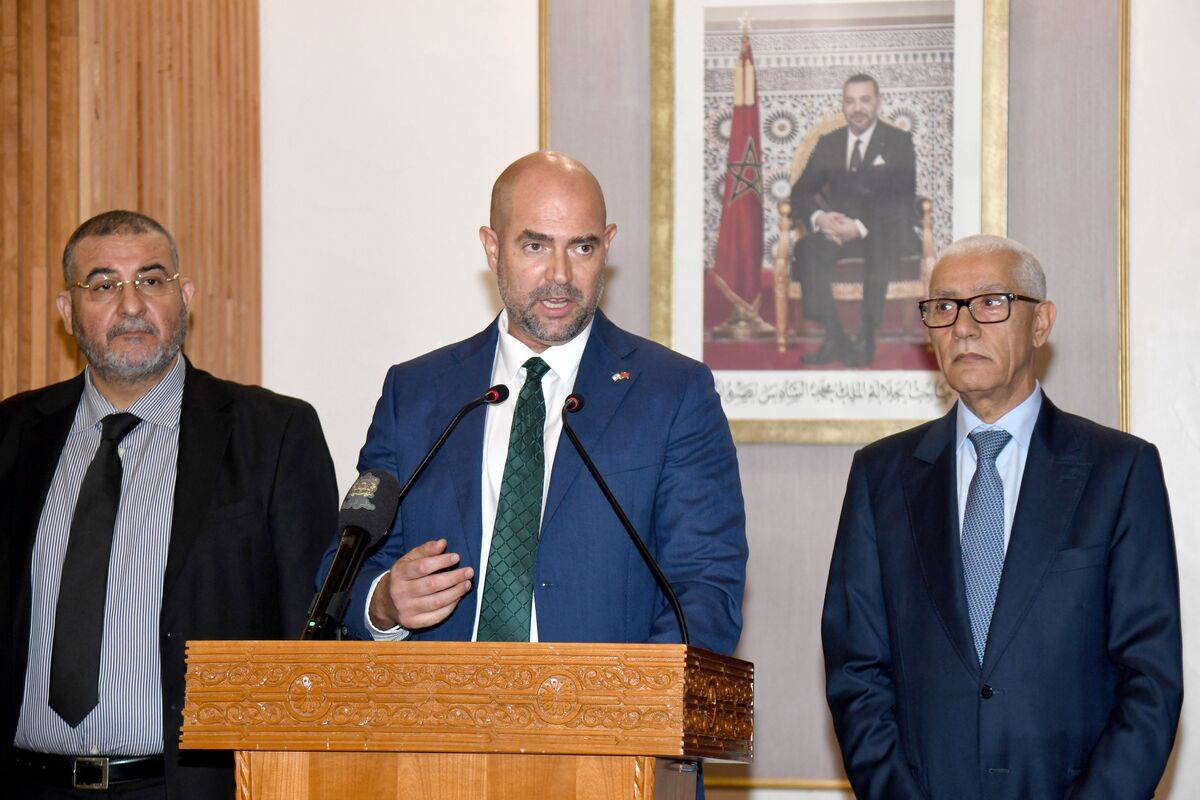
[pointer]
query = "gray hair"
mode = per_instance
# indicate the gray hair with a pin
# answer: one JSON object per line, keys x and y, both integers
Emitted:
{"x": 1027, "y": 270}
{"x": 115, "y": 223}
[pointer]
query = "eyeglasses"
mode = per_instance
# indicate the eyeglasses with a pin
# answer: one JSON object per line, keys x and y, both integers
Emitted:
{"x": 942, "y": 312}
{"x": 103, "y": 290}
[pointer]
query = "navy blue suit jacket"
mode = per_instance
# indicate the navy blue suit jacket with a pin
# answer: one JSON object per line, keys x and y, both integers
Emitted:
{"x": 660, "y": 439}
{"x": 1082, "y": 682}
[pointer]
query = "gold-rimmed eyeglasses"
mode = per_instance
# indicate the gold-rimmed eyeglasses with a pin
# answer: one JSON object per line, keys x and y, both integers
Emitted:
{"x": 101, "y": 289}
{"x": 942, "y": 312}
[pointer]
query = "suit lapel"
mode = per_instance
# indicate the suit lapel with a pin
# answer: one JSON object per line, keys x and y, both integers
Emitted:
{"x": 1055, "y": 475}
{"x": 463, "y": 451}
{"x": 607, "y": 349}
{"x": 204, "y": 428}
{"x": 38, "y": 452}
{"x": 931, "y": 493}
{"x": 875, "y": 148}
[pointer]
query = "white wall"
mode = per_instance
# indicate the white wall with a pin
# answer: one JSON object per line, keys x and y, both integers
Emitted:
{"x": 1165, "y": 328}
{"x": 383, "y": 126}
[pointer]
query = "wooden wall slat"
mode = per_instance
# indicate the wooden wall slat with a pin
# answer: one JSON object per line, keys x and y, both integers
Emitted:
{"x": 32, "y": 278}
{"x": 62, "y": 214}
{"x": 10, "y": 123}
{"x": 150, "y": 105}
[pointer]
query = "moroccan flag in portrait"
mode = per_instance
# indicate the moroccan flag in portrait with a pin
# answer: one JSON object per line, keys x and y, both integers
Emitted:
{"x": 738, "y": 262}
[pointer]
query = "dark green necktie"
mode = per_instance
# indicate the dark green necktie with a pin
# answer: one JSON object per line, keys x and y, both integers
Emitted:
{"x": 508, "y": 585}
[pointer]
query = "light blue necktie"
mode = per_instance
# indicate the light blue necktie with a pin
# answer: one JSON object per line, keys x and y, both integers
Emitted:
{"x": 983, "y": 533}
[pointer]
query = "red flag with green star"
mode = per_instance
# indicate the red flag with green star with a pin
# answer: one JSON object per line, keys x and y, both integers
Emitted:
{"x": 739, "y": 257}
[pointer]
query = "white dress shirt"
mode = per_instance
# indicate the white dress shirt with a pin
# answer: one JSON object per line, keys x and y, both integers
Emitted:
{"x": 508, "y": 368}
{"x": 1010, "y": 463}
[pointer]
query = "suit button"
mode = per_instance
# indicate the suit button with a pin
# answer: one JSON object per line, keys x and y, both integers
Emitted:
{"x": 986, "y": 692}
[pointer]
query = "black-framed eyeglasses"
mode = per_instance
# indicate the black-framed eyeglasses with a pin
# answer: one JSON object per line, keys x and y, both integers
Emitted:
{"x": 942, "y": 312}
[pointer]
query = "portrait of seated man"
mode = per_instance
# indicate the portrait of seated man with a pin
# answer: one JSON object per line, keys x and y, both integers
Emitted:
{"x": 855, "y": 199}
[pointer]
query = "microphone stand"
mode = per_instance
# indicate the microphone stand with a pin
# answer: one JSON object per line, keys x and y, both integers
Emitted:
{"x": 494, "y": 395}
{"x": 330, "y": 603}
{"x": 575, "y": 403}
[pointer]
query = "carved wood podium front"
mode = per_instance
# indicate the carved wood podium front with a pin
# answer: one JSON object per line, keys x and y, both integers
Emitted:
{"x": 452, "y": 721}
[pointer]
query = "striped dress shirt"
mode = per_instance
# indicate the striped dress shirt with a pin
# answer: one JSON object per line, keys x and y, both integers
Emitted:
{"x": 128, "y": 719}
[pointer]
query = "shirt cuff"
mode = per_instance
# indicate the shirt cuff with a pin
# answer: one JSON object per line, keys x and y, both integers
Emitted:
{"x": 395, "y": 634}
{"x": 812, "y": 221}
{"x": 862, "y": 229}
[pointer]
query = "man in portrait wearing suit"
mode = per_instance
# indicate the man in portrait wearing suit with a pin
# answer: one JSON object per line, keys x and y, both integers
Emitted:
{"x": 1002, "y": 614}
{"x": 143, "y": 503}
{"x": 856, "y": 198}
{"x": 506, "y": 537}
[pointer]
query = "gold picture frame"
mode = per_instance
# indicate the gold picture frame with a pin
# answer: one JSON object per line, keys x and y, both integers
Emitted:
{"x": 993, "y": 207}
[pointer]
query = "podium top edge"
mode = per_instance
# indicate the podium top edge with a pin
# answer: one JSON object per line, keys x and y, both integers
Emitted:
{"x": 243, "y": 648}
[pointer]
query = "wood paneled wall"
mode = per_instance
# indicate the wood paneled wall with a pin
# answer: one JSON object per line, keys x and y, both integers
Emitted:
{"x": 150, "y": 105}
{"x": 39, "y": 186}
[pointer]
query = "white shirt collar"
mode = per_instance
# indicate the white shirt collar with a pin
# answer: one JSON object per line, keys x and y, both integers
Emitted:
{"x": 563, "y": 359}
{"x": 1019, "y": 422}
{"x": 161, "y": 405}
{"x": 864, "y": 137}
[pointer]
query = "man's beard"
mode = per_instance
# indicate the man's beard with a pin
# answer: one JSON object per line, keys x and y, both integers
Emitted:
{"x": 528, "y": 321}
{"x": 121, "y": 368}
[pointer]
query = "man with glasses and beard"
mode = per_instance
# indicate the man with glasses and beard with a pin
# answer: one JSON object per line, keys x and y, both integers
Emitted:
{"x": 143, "y": 503}
{"x": 1002, "y": 614}
{"x": 506, "y": 537}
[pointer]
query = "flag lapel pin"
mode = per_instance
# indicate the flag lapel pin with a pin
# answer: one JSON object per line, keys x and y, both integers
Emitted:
{"x": 623, "y": 375}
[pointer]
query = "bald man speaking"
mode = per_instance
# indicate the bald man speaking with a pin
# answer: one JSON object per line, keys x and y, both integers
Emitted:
{"x": 506, "y": 537}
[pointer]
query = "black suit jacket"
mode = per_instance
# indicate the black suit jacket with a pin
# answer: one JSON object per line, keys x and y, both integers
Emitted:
{"x": 255, "y": 506}
{"x": 881, "y": 193}
{"x": 1082, "y": 680}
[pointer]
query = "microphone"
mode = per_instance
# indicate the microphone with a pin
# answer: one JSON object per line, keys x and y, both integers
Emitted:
{"x": 366, "y": 514}
{"x": 361, "y": 532}
{"x": 573, "y": 404}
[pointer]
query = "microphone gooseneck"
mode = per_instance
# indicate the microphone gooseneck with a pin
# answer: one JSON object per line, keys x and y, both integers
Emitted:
{"x": 493, "y": 396}
{"x": 573, "y": 404}
{"x": 367, "y": 514}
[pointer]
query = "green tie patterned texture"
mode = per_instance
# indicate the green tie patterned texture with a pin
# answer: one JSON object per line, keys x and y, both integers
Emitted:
{"x": 508, "y": 585}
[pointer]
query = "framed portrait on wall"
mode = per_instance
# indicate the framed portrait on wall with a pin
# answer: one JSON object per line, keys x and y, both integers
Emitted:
{"x": 810, "y": 159}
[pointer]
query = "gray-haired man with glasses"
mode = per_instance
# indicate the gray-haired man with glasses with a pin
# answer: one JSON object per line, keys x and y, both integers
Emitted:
{"x": 1002, "y": 614}
{"x": 143, "y": 503}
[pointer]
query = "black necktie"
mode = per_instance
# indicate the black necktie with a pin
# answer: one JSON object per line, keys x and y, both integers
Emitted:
{"x": 79, "y": 618}
{"x": 856, "y": 156}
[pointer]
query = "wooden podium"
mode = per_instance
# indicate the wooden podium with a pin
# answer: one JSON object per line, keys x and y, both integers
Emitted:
{"x": 459, "y": 721}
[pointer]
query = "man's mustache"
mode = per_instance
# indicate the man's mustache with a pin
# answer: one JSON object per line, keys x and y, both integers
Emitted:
{"x": 134, "y": 325}
{"x": 552, "y": 291}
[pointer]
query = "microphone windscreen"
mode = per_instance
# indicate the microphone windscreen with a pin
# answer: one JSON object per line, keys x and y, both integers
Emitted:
{"x": 371, "y": 504}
